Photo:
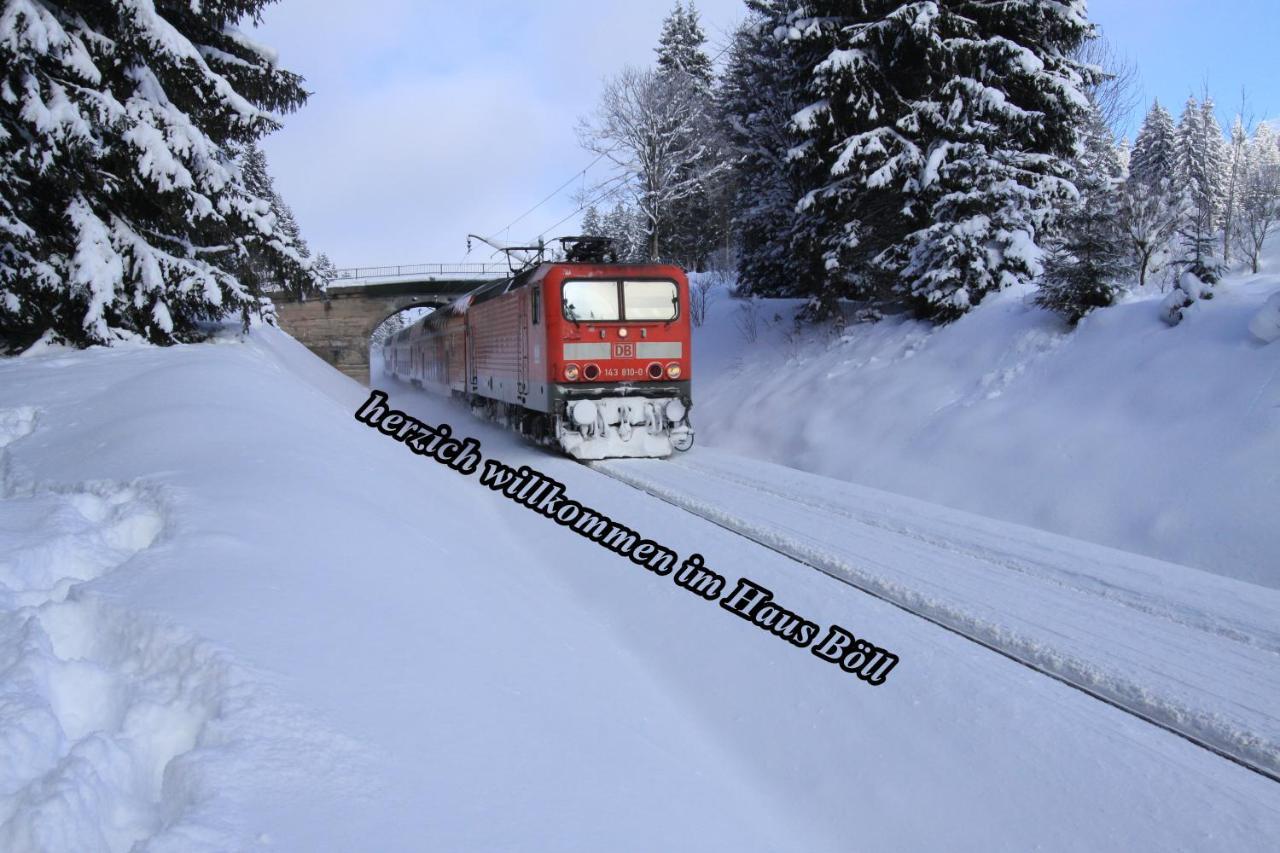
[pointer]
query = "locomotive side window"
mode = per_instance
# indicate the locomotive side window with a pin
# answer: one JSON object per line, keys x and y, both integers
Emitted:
{"x": 535, "y": 303}
{"x": 650, "y": 300}
{"x": 586, "y": 301}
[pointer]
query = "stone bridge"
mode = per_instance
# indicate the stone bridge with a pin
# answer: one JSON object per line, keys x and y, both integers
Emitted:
{"x": 337, "y": 325}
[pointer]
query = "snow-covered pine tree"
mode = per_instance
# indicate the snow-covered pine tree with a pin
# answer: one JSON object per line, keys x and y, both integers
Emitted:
{"x": 324, "y": 269}
{"x": 1152, "y": 207}
{"x": 591, "y": 224}
{"x": 694, "y": 227}
{"x": 268, "y": 276}
{"x": 1237, "y": 154}
{"x": 682, "y": 46}
{"x": 1087, "y": 265}
{"x": 1260, "y": 194}
{"x": 289, "y": 225}
{"x": 123, "y": 213}
{"x": 945, "y": 127}
{"x": 1151, "y": 215}
{"x": 1200, "y": 167}
{"x": 1124, "y": 155}
{"x": 626, "y": 227}
{"x": 761, "y": 90}
{"x": 1154, "y": 155}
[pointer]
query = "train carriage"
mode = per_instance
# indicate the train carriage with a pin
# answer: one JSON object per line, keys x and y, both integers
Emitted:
{"x": 594, "y": 357}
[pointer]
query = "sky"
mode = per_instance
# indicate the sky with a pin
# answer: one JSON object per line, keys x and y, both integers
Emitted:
{"x": 431, "y": 120}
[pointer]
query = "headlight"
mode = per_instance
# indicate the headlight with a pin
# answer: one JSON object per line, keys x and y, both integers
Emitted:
{"x": 590, "y": 372}
{"x": 675, "y": 411}
{"x": 571, "y": 372}
{"x": 673, "y": 371}
{"x": 583, "y": 412}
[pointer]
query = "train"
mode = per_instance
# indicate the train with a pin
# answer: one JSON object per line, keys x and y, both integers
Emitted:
{"x": 587, "y": 354}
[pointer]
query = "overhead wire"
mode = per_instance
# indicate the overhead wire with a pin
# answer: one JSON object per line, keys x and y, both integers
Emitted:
{"x": 617, "y": 180}
{"x": 582, "y": 173}
{"x": 714, "y": 60}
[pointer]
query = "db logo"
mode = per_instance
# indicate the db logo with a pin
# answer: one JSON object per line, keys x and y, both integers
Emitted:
{"x": 624, "y": 350}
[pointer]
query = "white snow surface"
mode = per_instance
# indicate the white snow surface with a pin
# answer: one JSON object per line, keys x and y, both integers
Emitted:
{"x": 231, "y": 617}
{"x": 1192, "y": 650}
{"x": 1124, "y": 432}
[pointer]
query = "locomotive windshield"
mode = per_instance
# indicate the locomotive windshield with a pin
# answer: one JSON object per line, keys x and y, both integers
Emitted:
{"x": 649, "y": 300}
{"x": 637, "y": 301}
{"x": 591, "y": 300}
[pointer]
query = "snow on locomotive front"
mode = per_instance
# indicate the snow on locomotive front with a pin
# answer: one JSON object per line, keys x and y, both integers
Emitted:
{"x": 588, "y": 355}
{"x": 618, "y": 359}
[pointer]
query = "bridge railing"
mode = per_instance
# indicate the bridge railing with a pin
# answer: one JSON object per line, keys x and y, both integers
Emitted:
{"x": 355, "y": 273}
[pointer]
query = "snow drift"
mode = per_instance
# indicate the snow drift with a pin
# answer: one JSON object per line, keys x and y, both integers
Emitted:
{"x": 1162, "y": 441}
{"x": 231, "y": 617}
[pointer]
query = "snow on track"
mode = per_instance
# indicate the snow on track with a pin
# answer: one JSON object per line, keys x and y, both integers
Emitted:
{"x": 1193, "y": 652}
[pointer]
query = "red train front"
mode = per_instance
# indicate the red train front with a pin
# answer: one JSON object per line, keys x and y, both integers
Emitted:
{"x": 594, "y": 357}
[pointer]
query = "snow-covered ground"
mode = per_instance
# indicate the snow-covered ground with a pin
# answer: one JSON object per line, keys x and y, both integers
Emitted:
{"x": 1192, "y": 650}
{"x": 231, "y": 617}
{"x": 1126, "y": 432}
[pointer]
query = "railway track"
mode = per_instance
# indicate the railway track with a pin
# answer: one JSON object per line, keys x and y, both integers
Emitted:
{"x": 1261, "y": 755}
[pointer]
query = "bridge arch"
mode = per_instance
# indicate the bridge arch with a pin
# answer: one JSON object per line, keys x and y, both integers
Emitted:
{"x": 428, "y": 303}
{"x": 338, "y": 325}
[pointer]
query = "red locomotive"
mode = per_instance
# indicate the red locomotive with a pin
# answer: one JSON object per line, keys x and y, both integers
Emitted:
{"x": 591, "y": 355}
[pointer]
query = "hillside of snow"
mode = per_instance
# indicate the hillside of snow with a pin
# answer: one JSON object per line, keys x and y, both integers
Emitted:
{"x": 233, "y": 618}
{"x": 1125, "y": 432}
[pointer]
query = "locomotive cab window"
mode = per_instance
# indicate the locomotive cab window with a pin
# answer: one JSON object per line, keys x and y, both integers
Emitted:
{"x": 591, "y": 300}
{"x": 649, "y": 300}
{"x": 535, "y": 303}
{"x": 634, "y": 301}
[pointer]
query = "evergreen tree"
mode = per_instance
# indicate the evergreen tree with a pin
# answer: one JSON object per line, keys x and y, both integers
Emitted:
{"x": 268, "y": 275}
{"x": 1150, "y": 217}
{"x": 1087, "y": 265}
{"x": 1234, "y": 171}
{"x": 122, "y": 213}
{"x": 1200, "y": 167}
{"x": 591, "y": 223}
{"x": 945, "y": 129}
{"x": 627, "y": 228}
{"x": 1152, "y": 207}
{"x": 682, "y": 46}
{"x": 1154, "y": 155}
{"x": 325, "y": 271}
{"x": 763, "y": 87}
{"x": 693, "y": 229}
{"x": 289, "y": 227}
{"x": 1260, "y": 194}
{"x": 1124, "y": 155}
{"x": 1087, "y": 268}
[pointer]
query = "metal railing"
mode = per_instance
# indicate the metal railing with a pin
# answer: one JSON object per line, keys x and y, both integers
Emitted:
{"x": 355, "y": 273}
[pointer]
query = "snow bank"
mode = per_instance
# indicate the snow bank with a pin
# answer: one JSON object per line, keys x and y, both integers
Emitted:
{"x": 232, "y": 617}
{"x": 1266, "y": 323}
{"x": 1114, "y": 623}
{"x": 119, "y": 730}
{"x": 1126, "y": 432}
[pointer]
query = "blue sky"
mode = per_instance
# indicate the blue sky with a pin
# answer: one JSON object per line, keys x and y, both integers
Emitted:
{"x": 1180, "y": 46}
{"x": 430, "y": 119}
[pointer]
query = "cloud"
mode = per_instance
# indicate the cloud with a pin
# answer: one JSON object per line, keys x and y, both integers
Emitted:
{"x": 430, "y": 120}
